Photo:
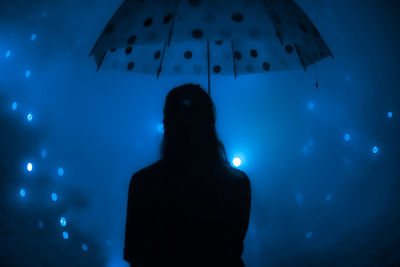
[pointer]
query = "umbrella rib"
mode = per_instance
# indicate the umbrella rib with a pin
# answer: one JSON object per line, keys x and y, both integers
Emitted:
{"x": 300, "y": 57}
{"x": 169, "y": 39}
{"x": 101, "y": 60}
{"x": 208, "y": 66}
{"x": 234, "y": 61}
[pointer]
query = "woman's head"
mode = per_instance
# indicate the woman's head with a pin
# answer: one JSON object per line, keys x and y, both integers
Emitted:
{"x": 189, "y": 128}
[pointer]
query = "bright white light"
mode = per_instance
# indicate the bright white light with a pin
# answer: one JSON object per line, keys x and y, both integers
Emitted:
{"x": 375, "y": 149}
{"x": 22, "y": 192}
{"x": 65, "y": 235}
{"x": 8, "y": 53}
{"x": 237, "y": 161}
{"x": 28, "y": 74}
{"x": 54, "y": 197}
{"x": 390, "y": 114}
{"x": 29, "y": 117}
{"x": 14, "y": 106}
{"x": 33, "y": 37}
{"x": 29, "y": 167}
{"x": 60, "y": 171}
{"x": 84, "y": 247}
{"x": 346, "y": 137}
{"x": 63, "y": 221}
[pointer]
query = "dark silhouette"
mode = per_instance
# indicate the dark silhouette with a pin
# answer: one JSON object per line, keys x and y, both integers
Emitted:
{"x": 191, "y": 208}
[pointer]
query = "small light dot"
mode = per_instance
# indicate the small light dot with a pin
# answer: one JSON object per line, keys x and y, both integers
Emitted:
{"x": 29, "y": 117}
{"x": 347, "y": 137}
{"x": 8, "y": 53}
{"x": 65, "y": 235}
{"x": 160, "y": 128}
{"x": 390, "y": 114}
{"x": 54, "y": 197}
{"x": 14, "y": 106}
{"x": 43, "y": 153}
{"x": 63, "y": 221}
{"x": 27, "y": 73}
{"x": 84, "y": 247}
{"x": 33, "y": 37}
{"x": 310, "y": 105}
{"x": 29, "y": 167}
{"x": 328, "y": 197}
{"x": 309, "y": 235}
{"x": 375, "y": 149}
{"x": 60, "y": 171}
{"x": 22, "y": 192}
{"x": 40, "y": 224}
{"x": 237, "y": 161}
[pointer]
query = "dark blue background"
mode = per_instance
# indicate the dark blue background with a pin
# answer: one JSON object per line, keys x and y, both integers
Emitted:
{"x": 317, "y": 199}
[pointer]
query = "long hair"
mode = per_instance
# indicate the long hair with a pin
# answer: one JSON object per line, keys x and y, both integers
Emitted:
{"x": 190, "y": 138}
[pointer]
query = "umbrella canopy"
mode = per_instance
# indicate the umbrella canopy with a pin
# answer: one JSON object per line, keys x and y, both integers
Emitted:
{"x": 212, "y": 37}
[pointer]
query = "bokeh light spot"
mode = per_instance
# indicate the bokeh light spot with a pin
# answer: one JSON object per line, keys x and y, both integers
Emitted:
{"x": 40, "y": 224}
{"x": 27, "y": 73}
{"x": 33, "y": 37}
{"x": 328, "y": 197}
{"x": 390, "y": 114}
{"x": 29, "y": 117}
{"x": 237, "y": 161}
{"x": 347, "y": 137}
{"x": 14, "y": 106}
{"x": 60, "y": 171}
{"x": 29, "y": 167}
{"x": 22, "y": 192}
{"x": 8, "y": 53}
{"x": 310, "y": 105}
{"x": 160, "y": 128}
{"x": 63, "y": 221}
{"x": 43, "y": 153}
{"x": 84, "y": 247}
{"x": 54, "y": 196}
{"x": 375, "y": 149}
{"x": 65, "y": 235}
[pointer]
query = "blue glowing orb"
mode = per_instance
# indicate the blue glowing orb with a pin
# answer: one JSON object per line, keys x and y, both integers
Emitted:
{"x": 347, "y": 137}
{"x": 43, "y": 153}
{"x": 236, "y": 161}
{"x": 29, "y": 167}
{"x": 54, "y": 196}
{"x": 63, "y": 221}
{"x": 27, "y": 73}
{"x": 33, "y": 37}
{"x": 160, "y": 128}
{"x": 29, "y": 117}
{"x": 8, "y": 53}
{"x": 375, "y": 149}
{"x": 60, "y": 171}
{"x": 84, "y": 247}
{"x": 390, "y": 114}
{"x": 40, "y": 224}
{"x": 14, "y": 106}
{"x": 309, "y": 235}
{"x": 328, "y": 197}
{"x": 22, "y": 192}
{"x": 65, "y": 235}
{"x": 310, "y": 105}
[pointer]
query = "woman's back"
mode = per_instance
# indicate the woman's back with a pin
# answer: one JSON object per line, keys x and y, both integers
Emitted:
{"x": 187, "y": 219}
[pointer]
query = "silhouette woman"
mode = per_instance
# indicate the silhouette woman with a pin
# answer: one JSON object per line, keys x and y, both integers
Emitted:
{"x": 190, "y": 208}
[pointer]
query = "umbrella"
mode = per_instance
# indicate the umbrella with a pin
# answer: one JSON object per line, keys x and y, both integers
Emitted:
{"x": 210, "y": 37}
